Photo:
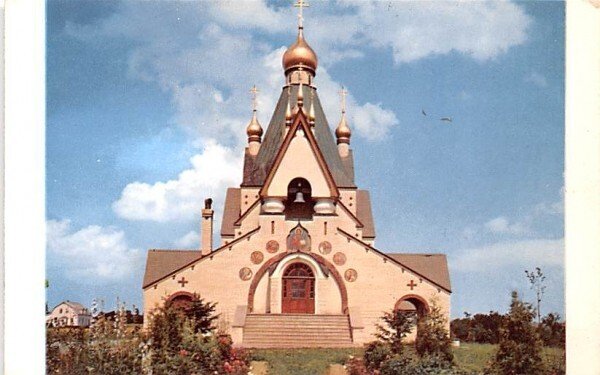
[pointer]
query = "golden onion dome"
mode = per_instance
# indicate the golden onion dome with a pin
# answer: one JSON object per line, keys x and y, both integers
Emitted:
{"x": 299, "y": 55}
{"x": 254, "y": 130}
{"x": 343, "y": 132}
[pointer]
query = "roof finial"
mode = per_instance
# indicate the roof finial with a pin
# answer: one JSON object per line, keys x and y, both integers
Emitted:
{"x": 343, "y": 132}
{"x": 343, "y": 92}
{"x": 254, "y": 130}
{"x": 254, "y": 91}
{"x": 301, "y": 4}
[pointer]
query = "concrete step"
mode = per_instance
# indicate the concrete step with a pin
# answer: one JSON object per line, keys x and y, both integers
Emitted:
{"x": 296, "y": 331}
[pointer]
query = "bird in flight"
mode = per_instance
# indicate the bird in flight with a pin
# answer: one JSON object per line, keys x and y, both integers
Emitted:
{"x": 423, "y": 112}
{"x": 447, "y": 119}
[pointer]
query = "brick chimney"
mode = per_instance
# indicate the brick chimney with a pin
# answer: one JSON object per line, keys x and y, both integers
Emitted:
{"x": 206, "y": 228}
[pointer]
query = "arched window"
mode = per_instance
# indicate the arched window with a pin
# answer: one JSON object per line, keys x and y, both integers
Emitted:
{"x": 299, "y": 203}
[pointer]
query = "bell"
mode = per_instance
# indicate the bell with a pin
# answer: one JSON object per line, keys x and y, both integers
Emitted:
{"x": 299, "y": 197}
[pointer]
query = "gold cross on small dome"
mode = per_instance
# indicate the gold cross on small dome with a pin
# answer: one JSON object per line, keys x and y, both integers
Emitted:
{"x": 343, "y": 92}
{"x": 254, "y": 91}
{"x": 301, "y": 4}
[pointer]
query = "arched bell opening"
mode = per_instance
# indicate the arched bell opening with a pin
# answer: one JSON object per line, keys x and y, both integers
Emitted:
{"x": 299, "y": 204}
{"x": 298, "y": 289}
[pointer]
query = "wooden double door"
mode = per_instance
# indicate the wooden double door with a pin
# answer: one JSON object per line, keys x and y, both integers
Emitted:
{"x": 298, "y": 290}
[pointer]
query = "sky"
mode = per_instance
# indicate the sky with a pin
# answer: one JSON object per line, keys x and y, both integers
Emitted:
{"x": 147, "y": 104}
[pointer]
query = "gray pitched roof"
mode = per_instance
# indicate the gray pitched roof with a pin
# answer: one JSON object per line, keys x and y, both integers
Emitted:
{"x": 231, "y": 211}
{"x": 364, "y": 214}
{"x": 256, "y": 168}
{"x": 432, "y": 266}
{"x": 161, "y": 262}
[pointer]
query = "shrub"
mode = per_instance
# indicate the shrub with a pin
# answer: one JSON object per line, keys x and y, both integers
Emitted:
{"x": 519, "y": 350}
{"x": 178, "y": 341}
{"x": 398, "y": 364}
{"x": 432, "y": 335}
{"x": 376, "y": 353}
{"x": 398, "y": 324}
{"x": 356, "y": 366}
{"x": 552, "y": 331}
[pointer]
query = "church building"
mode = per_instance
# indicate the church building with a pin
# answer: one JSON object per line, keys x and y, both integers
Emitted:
{"x": 297, "y": 264}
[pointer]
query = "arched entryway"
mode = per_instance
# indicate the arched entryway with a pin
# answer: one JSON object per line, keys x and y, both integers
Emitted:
{"x": 298, "y": 289}
{"x": 180, "y": 300}
{"x": 412, "y": 303}
{"x": 415, "y": 306}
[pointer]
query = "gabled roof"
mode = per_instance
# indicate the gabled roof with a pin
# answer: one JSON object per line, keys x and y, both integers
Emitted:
{"x": 256, "y": 168}
{"x": 76, "y": 306}
{"x": 161, "y": 262}
{"x": 231, "y": 211}
{"x": 433, "y": 266}
{"x": 364, "y": 214}
{"x": 300, "y": 121}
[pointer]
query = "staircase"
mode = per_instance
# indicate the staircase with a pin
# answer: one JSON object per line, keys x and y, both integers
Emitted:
{"x": 297, "y": 331}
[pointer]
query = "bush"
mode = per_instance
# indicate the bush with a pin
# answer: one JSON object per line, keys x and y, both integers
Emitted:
{"x": 432, "y": 335}
{"x": 398, "y": 324}
{"x": 178, "y": 341}
{"x": 552, "y": 331}
{"x": 398, "y": 364}
{"x": 520, "y": 348}
{"x": 481, "y": 328}
{"x": 376, "y": 353}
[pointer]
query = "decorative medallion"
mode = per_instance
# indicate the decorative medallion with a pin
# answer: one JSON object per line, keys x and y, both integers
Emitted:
{"x": 298, "y": 239}
{"x": 350, "y": 275}
{"x": 272, "y": 246}
{"x": 245, "y": 273}
{"x": 325, "y": 247}
{"x": 257, "y": 257}
{"x": 339, "y": 259}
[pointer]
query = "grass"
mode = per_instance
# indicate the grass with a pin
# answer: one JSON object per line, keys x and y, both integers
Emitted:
{"x": 475, "y": 357}
{"x": 469, "y": 357}
{"x": 303, "y": 361}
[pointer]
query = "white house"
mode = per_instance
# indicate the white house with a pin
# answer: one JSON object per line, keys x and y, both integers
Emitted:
{"x": 69, "y": 314}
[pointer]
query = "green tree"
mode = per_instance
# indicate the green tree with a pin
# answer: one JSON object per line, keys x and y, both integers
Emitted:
{"x": 433, "y": 337}
{"x": 202, "y": 314}
{"x": 536, "y": 280}
{"x": 520, "y": 348}
{"x": 552, "y": 330}
{"x": 397, "y": 325}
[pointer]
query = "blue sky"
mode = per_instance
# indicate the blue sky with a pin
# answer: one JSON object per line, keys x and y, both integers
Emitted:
{"x": 147, "y": 105}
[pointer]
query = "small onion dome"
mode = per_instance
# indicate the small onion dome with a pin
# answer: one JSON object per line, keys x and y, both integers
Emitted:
{"x": 254, "y": 130}
{"x": 343, "y": 132}
{"x": 300, "y": 55}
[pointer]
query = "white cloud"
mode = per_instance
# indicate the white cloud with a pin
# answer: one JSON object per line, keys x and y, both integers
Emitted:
{"x": 502, "y": 225}
{"x": 207, "y": 54}
{"x": 181, "y": 199}
{"x": 537, "y": 79}
{"x": 524, "y": 254}
{"x": 189, "y": 240}
{"x": 92, "y": 254}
